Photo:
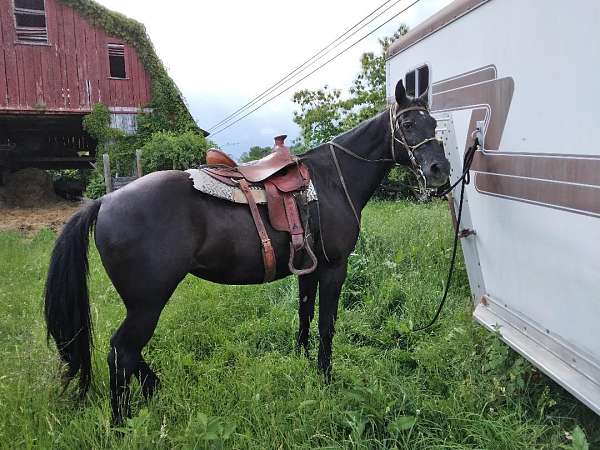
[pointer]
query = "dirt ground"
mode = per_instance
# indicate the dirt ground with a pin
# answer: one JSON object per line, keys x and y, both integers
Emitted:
{"x": 29, "y": 204}
{"x": 31, "y": 220}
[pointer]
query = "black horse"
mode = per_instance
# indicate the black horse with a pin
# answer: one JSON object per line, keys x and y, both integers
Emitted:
{"x": 155, "y": 231}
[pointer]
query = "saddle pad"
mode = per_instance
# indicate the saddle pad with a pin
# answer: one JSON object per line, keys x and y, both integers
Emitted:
{"x": 209, "y": 185}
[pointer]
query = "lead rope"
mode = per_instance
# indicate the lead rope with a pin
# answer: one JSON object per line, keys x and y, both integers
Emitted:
{"x": 464, "y": 179}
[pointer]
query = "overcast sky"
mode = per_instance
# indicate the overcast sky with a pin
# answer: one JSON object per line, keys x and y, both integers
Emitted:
{"x": 222, "y": 53}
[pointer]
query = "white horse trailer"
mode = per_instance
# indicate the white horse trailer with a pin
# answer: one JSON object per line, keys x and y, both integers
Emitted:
{"x": 522, "y": 75}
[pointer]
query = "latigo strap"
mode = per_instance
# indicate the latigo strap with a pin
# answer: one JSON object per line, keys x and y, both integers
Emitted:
{"x": 267, "y": 248}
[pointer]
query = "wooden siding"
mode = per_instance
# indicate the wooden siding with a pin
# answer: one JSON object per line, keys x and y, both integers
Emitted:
{"x": 71, "y": 72}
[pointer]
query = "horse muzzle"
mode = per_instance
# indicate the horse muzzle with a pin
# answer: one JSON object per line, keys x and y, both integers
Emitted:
{"x": 437, "y": 172}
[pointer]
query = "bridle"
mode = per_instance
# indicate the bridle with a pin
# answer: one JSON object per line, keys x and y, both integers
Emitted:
{"x": 397, "y": 136}
{"x": 395, "y": 129}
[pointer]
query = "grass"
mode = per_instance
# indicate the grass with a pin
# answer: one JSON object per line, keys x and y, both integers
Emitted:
{"x": 231, "y": 377}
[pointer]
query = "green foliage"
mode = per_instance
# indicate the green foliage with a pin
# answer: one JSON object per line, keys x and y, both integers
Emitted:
{"x": 161, "y": 150}
{"x": 322, "y": 115}
{"x": 255, "y": 153}
{"x": 168, "y": 150}
{"x": 97, "y": 125}
{"x": 95, "y": 187}
{"x": 578, "y": 440}
{"x": 70, "y": 175}
{"x": 169, "y": 109}
{"x": 231, "y": 377}
{"x": 399, "y": 182}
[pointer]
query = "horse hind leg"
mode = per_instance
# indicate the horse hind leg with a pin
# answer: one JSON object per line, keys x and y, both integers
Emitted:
{"x": 125, "y": 359}
{"x": 147, "y": 378}
{"x": 307, "y": 287}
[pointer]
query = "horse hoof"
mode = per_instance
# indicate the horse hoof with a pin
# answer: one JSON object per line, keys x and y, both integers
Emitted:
{"x": 149, "y": 387}
{"x": 299, "y": 351}
{"x": 327, "y": 377}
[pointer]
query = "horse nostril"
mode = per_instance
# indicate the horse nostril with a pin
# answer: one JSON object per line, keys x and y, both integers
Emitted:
{"x": 435, "y": 169}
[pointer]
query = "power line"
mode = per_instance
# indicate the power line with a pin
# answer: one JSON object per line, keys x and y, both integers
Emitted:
{"x": 318, "y": 68}
{"x": 310, "y": 61}
{"x": 325, "y": 50}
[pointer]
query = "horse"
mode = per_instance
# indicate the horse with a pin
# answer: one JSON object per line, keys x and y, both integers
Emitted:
{"x": 156, "y": 230}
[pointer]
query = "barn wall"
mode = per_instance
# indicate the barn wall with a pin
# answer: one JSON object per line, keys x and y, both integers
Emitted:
{"x": 71, "y": 72}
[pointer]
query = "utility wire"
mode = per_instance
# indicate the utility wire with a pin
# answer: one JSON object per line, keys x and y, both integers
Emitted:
{"x": 315, "y": 70}
{"x": 310, "y": 61}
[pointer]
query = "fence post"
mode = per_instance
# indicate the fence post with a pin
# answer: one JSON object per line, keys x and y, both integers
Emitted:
{"x": 138, "y": 163}
{"x": 107, "y": 176}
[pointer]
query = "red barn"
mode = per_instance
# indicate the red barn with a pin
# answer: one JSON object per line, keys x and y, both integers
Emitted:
{"x": 55, "y": 64}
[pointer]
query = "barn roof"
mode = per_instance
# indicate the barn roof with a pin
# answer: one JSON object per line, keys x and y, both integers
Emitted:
{"x": 169, "y": 108}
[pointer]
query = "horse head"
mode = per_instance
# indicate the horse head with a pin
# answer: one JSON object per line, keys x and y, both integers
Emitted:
{"x": 414, "y": 143}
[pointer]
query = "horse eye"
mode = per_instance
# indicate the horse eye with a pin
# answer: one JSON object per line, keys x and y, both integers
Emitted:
{"x": 407, "y": 125}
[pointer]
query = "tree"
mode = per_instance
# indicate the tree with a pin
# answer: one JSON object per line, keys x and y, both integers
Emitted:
{"x": 255, "y": 153}
{"x": 170, "y": 150}
{"x": 174, "y": 149}
{"x": 324, "y": 113}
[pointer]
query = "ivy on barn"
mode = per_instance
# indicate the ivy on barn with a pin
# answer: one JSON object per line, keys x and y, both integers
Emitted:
{"x": 170, "y": 112}
{"x": 170, "y": 121}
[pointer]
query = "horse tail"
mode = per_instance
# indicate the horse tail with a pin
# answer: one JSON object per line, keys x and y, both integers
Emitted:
{"x": 66, "y": 305}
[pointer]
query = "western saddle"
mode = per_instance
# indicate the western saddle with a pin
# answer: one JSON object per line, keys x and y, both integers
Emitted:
{"x": 284, "y": 178}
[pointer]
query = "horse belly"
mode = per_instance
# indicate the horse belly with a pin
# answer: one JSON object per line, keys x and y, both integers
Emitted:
{"x": 230, "y": 252}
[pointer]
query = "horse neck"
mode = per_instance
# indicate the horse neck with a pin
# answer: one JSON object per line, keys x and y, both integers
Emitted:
{"x": 369, "y": 140}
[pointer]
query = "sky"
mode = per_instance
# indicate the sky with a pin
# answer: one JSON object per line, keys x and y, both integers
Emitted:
{"x": 223, "y": 53}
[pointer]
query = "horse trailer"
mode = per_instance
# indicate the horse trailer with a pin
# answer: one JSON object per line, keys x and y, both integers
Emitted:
{"x": 520, "y": 77}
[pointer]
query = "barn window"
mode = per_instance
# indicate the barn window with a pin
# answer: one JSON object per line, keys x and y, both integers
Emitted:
{"x": 116, "y": 58}
{"x": 30, "y": 21}
{"x": 417, "y": 81}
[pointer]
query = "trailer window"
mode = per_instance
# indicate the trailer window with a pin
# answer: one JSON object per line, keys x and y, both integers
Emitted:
{"x": 423, "y": 75}
{"x": 410, "y": 83}
{"x": 417, "y": 81}
{"x": 116, "y": 58}
{"x": 30, "y": 21}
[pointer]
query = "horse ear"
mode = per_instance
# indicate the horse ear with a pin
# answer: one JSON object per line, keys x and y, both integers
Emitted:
{"x": 401, "y": 97}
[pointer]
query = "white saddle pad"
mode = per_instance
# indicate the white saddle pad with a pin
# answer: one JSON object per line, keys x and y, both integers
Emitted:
{"x": 211, "y": 186}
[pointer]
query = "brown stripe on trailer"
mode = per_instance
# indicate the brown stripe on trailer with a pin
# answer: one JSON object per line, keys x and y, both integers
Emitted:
{"x": 567, "y": 182}
{"x": 486, "y": 73}
{"x": 572, "y": 197}
{"x": 563, "y": 168}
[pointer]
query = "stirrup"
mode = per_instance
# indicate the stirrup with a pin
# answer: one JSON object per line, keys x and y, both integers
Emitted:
{"x": 306, "y": 271}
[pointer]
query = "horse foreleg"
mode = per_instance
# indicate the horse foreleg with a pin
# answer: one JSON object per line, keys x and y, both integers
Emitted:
{"x": 307, "y": 287}
{"x": 331, "y": 280}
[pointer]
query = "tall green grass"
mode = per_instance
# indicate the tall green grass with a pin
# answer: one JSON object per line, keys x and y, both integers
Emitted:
{"x": 231, "y": 377}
